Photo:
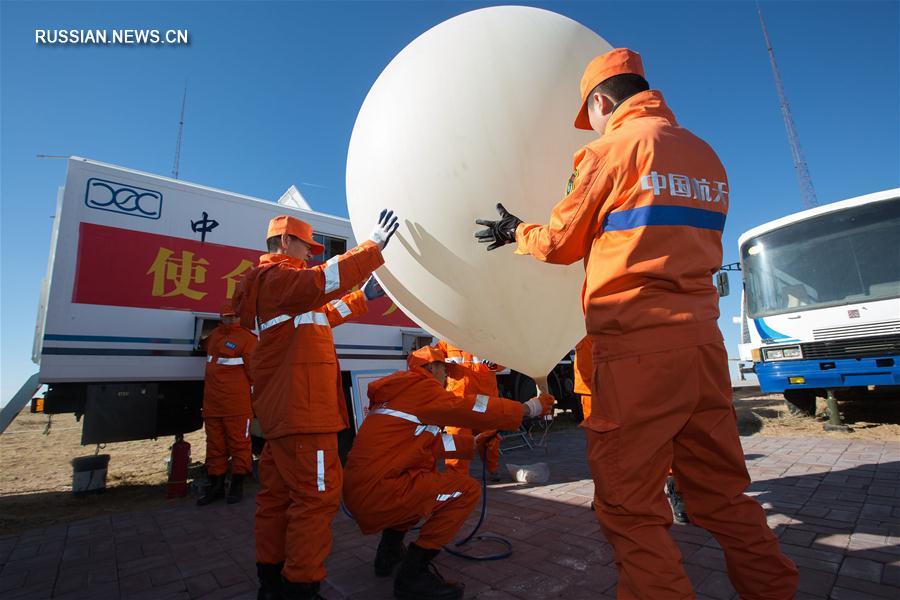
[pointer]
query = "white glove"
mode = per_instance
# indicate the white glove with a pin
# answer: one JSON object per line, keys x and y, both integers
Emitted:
{"x": 539, "y": 405}
{"x": 533, "y": 408}
{"x": 386, "y": 227}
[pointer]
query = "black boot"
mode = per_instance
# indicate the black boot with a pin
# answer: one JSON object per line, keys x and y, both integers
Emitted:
{"x": 418, "y": 579}
{"x": 235, "y": 490}
{"x": 390, "y": 552}
{"x": 269, "y": 581}
{"x": 291, "y": 590}
{"x": 214, "y": 491}
{"x": 676, "y": 502}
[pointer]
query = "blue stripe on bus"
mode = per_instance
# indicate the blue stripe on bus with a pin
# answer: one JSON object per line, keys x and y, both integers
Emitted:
{"x": 664, "y": 215}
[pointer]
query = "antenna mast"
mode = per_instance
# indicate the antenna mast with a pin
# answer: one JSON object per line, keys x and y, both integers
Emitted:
{"x": 803, "y": 178}
{"x": 180, "y": 131}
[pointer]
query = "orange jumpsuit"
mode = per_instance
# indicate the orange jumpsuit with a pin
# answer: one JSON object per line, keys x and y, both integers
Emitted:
{"x": 467, "y": 375}
{"x": 391, "y": 480}
{"x": 299, "y": 401}
{"x": 645, "y": 212}
{"x": 226, "y": 399}
{"x": 583, "y": 369}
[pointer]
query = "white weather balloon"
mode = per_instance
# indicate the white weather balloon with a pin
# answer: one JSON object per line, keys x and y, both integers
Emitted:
{"x": 475, "y": 111}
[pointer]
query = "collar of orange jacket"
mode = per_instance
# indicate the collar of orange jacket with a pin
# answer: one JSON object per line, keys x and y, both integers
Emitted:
{"x": 643, "y": 104}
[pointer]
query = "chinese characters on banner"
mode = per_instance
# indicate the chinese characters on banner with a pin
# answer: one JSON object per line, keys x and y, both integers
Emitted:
{"x": 120, "y": 267}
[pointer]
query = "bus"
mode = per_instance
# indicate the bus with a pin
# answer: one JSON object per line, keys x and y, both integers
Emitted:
{"x": 821, "y": 300}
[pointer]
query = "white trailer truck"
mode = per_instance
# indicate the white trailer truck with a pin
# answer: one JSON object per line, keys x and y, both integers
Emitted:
{"x": 139, "y": 265}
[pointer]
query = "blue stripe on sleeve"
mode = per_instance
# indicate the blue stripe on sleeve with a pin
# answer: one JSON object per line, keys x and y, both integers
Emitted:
{"x": 664, "y": 215}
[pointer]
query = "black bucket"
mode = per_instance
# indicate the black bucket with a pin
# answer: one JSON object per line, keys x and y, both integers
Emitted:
{"x": 89, "y": 474}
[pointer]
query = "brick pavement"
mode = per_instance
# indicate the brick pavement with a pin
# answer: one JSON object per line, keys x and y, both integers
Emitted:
{"x": 834, "y": 504}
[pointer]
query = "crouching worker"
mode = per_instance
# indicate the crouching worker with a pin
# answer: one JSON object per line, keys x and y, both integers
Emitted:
{"x": 226, "y": 407}
{"x": 391, "y": 480}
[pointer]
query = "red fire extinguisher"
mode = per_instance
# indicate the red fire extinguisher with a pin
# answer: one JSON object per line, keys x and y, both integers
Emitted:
{"x": 178, "y": 468}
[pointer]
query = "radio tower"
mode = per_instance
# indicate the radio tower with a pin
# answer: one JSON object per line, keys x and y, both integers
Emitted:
{"x": 180, "y": 131}
{"x": 803, "y": 179}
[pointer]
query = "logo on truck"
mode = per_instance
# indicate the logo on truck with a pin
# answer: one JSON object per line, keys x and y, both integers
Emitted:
{"x": 122, "y": 198}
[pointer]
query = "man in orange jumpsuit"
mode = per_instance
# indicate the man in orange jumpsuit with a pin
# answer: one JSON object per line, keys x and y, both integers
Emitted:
{"x": 298, "y": 397}
{"x": 226, "y": 406}
{"x": 467, "y": 375}
{"x": 391, "y": 478}
{"x": 644, "y": 210}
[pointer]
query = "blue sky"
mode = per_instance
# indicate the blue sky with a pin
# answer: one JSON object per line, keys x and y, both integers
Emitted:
{"x": 274, "y": 89}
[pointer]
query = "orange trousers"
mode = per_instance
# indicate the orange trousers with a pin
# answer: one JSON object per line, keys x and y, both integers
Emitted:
{"x": 228, "y": 437}
{"x": 675, "y": 408}
{"x": 299, "y": 494}
{"x": 457, "y": 465}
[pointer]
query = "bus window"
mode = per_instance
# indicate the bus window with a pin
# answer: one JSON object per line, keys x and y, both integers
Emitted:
{"x": 836, "y": 258}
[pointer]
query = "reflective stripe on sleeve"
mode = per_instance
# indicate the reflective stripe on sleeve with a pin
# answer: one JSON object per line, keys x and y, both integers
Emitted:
{"x": 230, "y": 361}
{"x": 445, "y": 497}
{"x": 449, "y": 444}
{"x": 396, "y": 413}
{"x": 432, "y": 429}
{"x": 209, "y": 358}
{"x": 456, "y": 360}
{"x": 247, "y": 432}
{"x": 320, "y": 470}
{"x": 341, "y": 307}
{"x": 332, "y": 275}
{"x": 481, "y": 402}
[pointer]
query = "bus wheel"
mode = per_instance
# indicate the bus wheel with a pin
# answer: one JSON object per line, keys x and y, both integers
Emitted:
{"x": 800, "y": 403}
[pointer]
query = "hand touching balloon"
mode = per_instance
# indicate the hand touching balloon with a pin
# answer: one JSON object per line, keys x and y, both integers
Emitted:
{"x": 385, "y": 228}
{"x": 498, "y": 233}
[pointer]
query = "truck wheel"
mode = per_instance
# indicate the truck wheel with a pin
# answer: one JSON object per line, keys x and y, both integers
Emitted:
{"x": 800, "y": 403}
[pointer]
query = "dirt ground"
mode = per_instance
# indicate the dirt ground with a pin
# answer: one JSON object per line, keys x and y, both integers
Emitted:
{"x": 36, "y": 473}
{"x": 871, "y": 419}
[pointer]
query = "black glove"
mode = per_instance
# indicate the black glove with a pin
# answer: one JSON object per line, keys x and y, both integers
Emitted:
{"x": 498, "y": 233}
{"x": 373, "y": 289}
{"x": 385, "y": 228}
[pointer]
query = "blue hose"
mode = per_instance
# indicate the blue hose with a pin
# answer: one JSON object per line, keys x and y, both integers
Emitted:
{"x": 487, "y": 538}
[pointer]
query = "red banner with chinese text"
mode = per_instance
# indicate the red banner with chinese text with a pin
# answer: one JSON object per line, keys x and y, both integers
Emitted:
{"x": 121, "y": 267}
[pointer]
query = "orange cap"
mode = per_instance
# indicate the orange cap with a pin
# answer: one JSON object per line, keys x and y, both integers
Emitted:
{"x": 614, "y": 62}
{"x": 424, "y": 356}
{"x": 227, "y": 310}
{"x": 295, "y": 227}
